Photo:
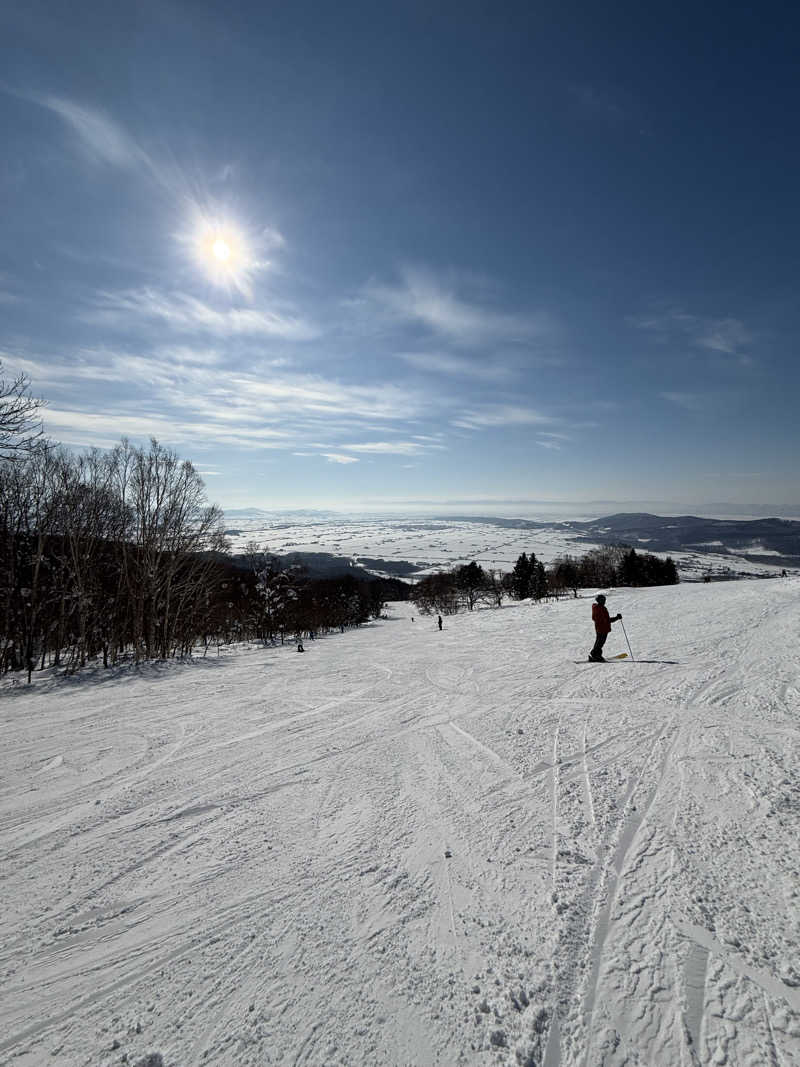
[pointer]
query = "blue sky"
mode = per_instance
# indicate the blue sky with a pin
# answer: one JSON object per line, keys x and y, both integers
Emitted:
{"x": 373, "y": 255}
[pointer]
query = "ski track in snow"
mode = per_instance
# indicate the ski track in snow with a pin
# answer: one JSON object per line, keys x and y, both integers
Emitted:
{"x": 409, "y": 847}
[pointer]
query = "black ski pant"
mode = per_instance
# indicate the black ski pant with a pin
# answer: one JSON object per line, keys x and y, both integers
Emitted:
{"x": 600, "y": 640}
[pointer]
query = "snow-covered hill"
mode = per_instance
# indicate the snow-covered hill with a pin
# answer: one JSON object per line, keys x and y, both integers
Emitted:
{"x": 409, "y": 847}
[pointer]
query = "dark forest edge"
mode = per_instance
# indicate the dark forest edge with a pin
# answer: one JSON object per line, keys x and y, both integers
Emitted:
{"x": 466, "y": 586}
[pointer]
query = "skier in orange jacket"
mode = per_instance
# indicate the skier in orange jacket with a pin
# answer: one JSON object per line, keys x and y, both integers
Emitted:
{"x": 602, "y": 626}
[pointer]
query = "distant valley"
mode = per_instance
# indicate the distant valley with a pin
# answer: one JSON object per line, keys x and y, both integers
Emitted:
{"x": 409, "y": 548}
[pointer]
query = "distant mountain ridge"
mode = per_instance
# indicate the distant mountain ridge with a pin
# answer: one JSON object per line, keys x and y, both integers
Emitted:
{"x": 761, "y": 540}
{"x": 772, "y": 541}
{"x": 293, "y": 513}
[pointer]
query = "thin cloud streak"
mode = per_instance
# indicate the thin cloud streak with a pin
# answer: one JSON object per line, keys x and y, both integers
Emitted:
{"x": 500, "y": 415}
{"x": 394, "y": 448}
{"x": 186, "y": 314}
{"x": 725, "y": 336}
{"x": 320, "y": 396}
{"x": 105, "y": 141}
{"x": 203, "y": 403}
{"x": 423, "y": 299}
{"x": 337, "y": 457}
{"x": 456, "y": 366}
{"x": 86, "y": 427}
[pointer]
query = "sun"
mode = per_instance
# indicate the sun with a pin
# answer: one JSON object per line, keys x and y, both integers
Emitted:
{"x": 220, "y": 247}
{"x": 221, "y": 250}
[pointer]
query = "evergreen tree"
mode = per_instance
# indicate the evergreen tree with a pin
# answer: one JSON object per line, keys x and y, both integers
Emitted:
{"x": 539, "y": 580}
{"x": 521, "y": 577}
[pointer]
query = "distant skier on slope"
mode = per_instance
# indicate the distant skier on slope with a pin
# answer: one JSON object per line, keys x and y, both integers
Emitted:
{"x": 439, "y": 620}
{"x": 602, "y": 627}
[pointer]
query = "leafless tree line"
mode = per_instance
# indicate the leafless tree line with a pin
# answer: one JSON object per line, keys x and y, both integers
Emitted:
{"x": 103, "y": 552}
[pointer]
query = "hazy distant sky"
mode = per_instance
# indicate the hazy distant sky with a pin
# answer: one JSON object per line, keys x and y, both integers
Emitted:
{"x": 347, "y": 253}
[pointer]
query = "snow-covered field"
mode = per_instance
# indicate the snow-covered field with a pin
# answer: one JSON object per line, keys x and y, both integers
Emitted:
{"x": 432, "y": 544}
{"x": 409, "y": 847}
{"x": 435, "y": 544}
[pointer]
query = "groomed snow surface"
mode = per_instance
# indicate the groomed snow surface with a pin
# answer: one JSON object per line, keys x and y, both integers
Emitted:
{"x": 412, "y": 847}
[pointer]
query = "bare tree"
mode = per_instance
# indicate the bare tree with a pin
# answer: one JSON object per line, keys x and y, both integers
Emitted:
{"x": 28, "y": 524}
{"x": 173, "y": 527}
{"x": 18, "y": 427}
{"x": 89, "y": 518}
{"x": 494, "y": 590}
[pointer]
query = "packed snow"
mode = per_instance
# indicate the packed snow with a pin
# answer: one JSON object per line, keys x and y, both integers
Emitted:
{"x": 407, "y": 847}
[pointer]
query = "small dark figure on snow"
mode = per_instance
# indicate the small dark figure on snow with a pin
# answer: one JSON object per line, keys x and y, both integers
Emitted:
{"x": 439, "y": 620}
{"x": 602, "y": 627}
{"x": 300, "y": 646}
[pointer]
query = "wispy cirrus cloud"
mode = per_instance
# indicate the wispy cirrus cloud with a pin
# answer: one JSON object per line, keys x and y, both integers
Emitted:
{"x": 197, "y": 398}
{"x": 106, "y": 142}
{"x": 326, "y": 399}
{"x": 492, "y": 415}
{"x": 108, "y": 366}
{"x": 550, "y": 440}
{"x": 337, "y": 457}
{"x": 80, "y": 427}
{"x": 184, "y": 313}
{"x": 717, "y": 402}
{"x": 395, "y": 448}
{"x": 422, "y": 299}
{"x": 725, "y": 336}
{"x": 450, "y": 365}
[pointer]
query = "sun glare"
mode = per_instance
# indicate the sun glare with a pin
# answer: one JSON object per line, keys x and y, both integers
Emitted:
{"x": 221, "y": 249}
{"x": 223, "y": 253}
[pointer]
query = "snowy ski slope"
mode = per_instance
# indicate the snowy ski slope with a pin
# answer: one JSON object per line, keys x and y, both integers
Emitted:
{"x": 408, "y": 847}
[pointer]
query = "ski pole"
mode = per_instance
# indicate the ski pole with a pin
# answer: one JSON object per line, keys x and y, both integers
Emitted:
{"x": 622, "y": 624}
